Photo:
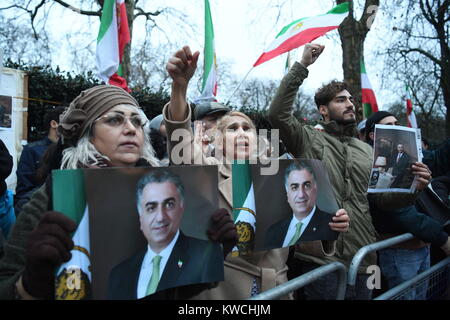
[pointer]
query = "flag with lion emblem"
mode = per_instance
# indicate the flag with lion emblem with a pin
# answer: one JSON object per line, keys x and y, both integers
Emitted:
{"x": 73, "y": 278}
{"x": 243, "y": 208}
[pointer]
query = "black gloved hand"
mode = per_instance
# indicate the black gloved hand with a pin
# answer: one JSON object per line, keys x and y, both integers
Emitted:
{"x": 48, "y": 246}
{"x": 223, "y": 230}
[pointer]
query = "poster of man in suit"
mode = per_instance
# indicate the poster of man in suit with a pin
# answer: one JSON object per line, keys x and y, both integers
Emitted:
{"x": 396, "y": 148}
{"x": 304, "y": 207}
{"x": 166, "y": 224}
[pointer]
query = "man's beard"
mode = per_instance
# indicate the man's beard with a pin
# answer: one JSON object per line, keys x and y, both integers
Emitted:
{"x": 340, "y": 119}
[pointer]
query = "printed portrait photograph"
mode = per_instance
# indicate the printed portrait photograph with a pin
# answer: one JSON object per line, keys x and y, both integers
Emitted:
{"x": 395, "y": 150}
{"x": 5, "y": 111}
{"x": 148, "y": 230}
{"x": 295, "y": 205}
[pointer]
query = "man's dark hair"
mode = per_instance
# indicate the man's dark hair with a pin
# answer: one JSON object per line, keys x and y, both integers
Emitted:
{"x": 159, "y": 143}
{"x": 297, "y": 166}
{"x": 328, "y": 91}
{"x": 52, "y": 114}
{"x": 159, "y": 176}
{"x": 374, "y": 119}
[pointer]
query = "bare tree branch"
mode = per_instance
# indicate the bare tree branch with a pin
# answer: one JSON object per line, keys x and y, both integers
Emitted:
{"x": 427, "y": 12}
{"x": 423, "y": 52}
{"x": 147, "y": 15}
{"x": 15, "y": 6}
{"x": 97, "y": 13}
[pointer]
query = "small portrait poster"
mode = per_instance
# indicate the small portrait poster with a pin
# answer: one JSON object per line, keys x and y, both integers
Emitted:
{"x": 396, "y": 149}
{"x": 295, "y": 205}
{"x": 144, "y": 230}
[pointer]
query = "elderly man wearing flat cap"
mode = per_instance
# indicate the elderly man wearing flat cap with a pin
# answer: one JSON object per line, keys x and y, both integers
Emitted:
{"x": 209, "y": 113}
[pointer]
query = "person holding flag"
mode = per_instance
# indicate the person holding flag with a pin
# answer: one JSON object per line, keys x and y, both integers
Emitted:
{"x": 255, "y": 271}
{"x": 103, "y": 127}
{"x": 347, "y": 160}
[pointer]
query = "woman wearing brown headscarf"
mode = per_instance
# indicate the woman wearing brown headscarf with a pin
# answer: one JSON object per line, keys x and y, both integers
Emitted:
{"x": 103, "y": 127}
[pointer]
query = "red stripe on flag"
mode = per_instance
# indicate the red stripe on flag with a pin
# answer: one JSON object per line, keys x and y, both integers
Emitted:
{"x": 118, "y": 81}
{"x": 409, "y": 107}
{"x": 368, "y": 96}
{"x": 294, "y": 42}
{"x": 122, "y": 26}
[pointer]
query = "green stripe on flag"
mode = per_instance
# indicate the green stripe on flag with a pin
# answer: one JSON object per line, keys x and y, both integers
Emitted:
{"x": 363, "y": 66}
{"x": 106, "y": 19}
{"x": 68, "y": 193}
{"x": 242, "y": 181}
{"x": 367, "y": 110}
{"x": 286, "y": 28}
{"x": 209, "y": 43}
{"x": 342, "y": 8}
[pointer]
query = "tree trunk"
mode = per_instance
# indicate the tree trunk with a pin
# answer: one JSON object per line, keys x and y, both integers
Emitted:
{"x": 353, "y": 33}
{"x": 352, "y": 41}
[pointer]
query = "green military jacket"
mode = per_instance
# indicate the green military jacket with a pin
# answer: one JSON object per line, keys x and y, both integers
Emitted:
{"x": 347, "y": 160}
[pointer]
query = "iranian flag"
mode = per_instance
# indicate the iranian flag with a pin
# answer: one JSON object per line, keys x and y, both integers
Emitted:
{"x": 209, "y": 84}
{"x": 112, "y": 38}
{"x": 369, "y": 101}
{"x": 73, "y": 278}
{"x": 243, "y": 208}
{"x": 303, "y": 31}
{"x": 410, "y": 115}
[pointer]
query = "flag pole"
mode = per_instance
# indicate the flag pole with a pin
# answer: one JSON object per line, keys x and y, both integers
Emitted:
{"x": 238, "y": 86}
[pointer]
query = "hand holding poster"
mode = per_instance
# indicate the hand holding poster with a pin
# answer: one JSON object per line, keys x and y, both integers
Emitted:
{"x": 396, "y": 149}
{"x": 147, "y": 229}
{"x": 301, "y": 206}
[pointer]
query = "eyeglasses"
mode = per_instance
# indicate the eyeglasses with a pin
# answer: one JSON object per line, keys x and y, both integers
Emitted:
{"x": 115, "y": 119}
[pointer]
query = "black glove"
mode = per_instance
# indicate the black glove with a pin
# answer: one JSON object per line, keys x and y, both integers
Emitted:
{"x": 48, "y": 246}
{"x": 223, "y": 230}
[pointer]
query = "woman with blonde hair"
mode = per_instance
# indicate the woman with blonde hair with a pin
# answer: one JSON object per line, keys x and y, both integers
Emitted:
{"x": 235, "y": 139}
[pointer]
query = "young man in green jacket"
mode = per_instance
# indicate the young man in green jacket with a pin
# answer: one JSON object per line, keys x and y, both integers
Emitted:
{"x": 348, "y": 162}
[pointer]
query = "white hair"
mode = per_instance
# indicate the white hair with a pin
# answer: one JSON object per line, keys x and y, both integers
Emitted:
{"x": 85, "y": 153}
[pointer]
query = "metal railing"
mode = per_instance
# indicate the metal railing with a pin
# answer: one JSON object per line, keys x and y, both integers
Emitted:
{"x": 412, "y": 283}
{"x": 359, "y": 256}
{"x": 307, "y": 278}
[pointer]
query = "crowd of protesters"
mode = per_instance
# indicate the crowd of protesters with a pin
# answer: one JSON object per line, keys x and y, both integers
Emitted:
{"x": 104, "y": 127}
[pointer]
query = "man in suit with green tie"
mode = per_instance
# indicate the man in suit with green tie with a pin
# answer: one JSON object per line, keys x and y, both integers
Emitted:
{"x": 171, "y": 258}
{"x": 307, "y": 222}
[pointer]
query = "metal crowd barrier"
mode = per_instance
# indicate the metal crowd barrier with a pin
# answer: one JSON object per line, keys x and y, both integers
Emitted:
{"x": 418, "y": 280}
{"x": 359, "y": 256}
{"x": 306, "y": 279}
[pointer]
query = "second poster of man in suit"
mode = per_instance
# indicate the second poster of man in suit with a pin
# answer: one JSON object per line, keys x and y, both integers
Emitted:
{"x": 148, "y": 230}
{"x": 293, "y": 206}
{"x": 396, "y": 149}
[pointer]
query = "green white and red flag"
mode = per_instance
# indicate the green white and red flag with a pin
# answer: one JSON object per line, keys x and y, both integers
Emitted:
{"x": 410, "y": 115}
{"x": 369, "y": 101}
{"x": 209, "y": 83}
{"x": 304, "y": 30}
{"x": 113, "y": 35}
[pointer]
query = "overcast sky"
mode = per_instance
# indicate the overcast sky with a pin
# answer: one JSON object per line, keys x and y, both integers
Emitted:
{"x": 243, "y": 28}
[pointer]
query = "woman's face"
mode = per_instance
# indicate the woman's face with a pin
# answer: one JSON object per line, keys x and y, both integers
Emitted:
{"x": 118, "y": 134}
{"x": 239, "y": 139}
